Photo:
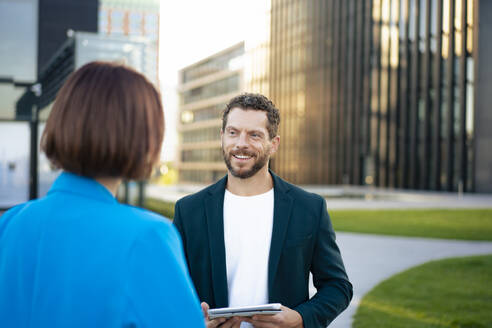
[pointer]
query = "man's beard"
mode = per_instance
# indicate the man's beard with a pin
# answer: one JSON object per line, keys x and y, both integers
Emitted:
{"x": 258, "y": 165}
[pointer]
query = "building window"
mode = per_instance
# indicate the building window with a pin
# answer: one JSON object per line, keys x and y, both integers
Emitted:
{"x": 203, "y": 114}
{"x": 103, "y": 21}
{"x": 200, "y": 176}
{"x": 228, "y": 61}
{"x": 217, "y": 88}
{"x": 213, "y": 155}
{"x": 135, "y": 23}
{"x": 117, "y": 22}
{"x": 151, "y": 25}
{"x": 201, "y": 135}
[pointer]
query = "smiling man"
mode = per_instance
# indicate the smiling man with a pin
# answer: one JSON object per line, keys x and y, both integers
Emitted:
{"x": 252, "y": 238}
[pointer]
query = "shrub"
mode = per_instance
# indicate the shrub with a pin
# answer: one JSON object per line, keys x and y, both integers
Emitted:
{"x": 159, "y": 206}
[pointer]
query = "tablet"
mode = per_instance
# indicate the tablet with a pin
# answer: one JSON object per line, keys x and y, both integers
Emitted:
{"x": 244, "y": 311}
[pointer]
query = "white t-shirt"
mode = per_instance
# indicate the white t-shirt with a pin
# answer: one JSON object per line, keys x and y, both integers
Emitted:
{"x": 248, "y": 222}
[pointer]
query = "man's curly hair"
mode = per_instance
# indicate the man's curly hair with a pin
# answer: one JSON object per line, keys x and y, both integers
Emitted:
{"x": 255, "y": 101}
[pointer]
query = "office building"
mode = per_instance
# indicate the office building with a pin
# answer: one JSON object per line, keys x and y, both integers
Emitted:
{"x": 204, "y": 89}
{"x": 51, "y": 40}
{"x": 389, "y": 93}
{"x": 134, "y": 18}
{"x": 30, "y": 32}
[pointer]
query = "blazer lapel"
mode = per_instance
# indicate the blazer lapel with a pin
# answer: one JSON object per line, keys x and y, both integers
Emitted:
{"x": 281, "y": 217}
{"x": 214, "y": 209}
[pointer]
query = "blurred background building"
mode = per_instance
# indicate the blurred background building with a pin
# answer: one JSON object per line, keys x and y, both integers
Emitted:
{"x": 52, "y": 39}
{"x": 31, "y": 31}
{"x": 377, "y": 92}
{"x": 383, "y": 92}
{"x": 134, "y": 18}
{"x": 205, "y": 88}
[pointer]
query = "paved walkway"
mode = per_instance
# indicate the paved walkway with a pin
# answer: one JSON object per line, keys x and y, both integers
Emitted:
{"x": 370, "y": 259}
{"x": 354, "y": 197}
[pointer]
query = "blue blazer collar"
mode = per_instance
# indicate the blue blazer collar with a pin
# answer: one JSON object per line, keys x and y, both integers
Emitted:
{"x": 214, "y": 209}
{"x": 82, "y": 186}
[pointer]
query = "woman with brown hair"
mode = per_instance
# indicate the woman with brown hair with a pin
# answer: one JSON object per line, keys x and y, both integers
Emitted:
{"x": 77, "y": 257}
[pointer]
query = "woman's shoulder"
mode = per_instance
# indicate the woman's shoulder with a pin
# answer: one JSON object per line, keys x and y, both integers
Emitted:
{"x": 147, "y": 228}
{"x": 15, "y": 211}
{"x": 143, "y": 213}
{"x": 143, "y": 218}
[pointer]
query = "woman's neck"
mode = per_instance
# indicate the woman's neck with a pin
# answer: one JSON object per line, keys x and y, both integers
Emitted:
{"x": 111, "y": 184}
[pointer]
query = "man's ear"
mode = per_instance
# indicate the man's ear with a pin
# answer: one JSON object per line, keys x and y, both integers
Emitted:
{"x": 275, "y": 144}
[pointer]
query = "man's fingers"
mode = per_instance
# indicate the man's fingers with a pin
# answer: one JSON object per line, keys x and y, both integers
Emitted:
{"x": 286, "y": 318}
{"x": 215, "y": 322}
{"x": 205, "y": 308}
{"x": 210, "y": 323}
{"x": 229, "y": 323}
{"x": 266, "y": 318}
{"x": 261, "y": 324}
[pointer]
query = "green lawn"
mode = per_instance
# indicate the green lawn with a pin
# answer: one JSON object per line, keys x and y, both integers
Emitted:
{"x": 161, "y": 207}
{"x": 454, "y": 293}
{"x": 473, "y": 224}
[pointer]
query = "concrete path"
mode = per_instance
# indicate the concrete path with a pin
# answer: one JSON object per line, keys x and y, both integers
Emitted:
{"x": 353, "y": 197}
{"x": 370, "y": 259}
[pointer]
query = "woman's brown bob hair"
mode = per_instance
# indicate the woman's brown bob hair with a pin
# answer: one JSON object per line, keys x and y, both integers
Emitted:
{"x": 107, "y": 121}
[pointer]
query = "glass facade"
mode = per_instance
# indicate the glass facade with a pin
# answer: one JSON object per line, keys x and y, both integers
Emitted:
{"x": 215, "y": 64}
{"x": 203, "y": 114}
{"x": 135, "y": 22}
{"x": 201, "y": 176}
{"x": 201, "y": 135}
{"x": 205, "y": 87}
{"x": 213, "y": 89}
{"x": 117, "y": 22}
{"x": 132, "y": 18}
{"x": 298, "y": 81}
{"x": 19, "y": 35}
{"x": 135, "y": 52}
{"x": 202, "y": 155}
{"x": 377, "y": 92}
{"x": 14, "y": 163}
{"x": 30, "y": 39}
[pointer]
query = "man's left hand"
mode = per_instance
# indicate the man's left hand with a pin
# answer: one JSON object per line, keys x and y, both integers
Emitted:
{"x": 288, "y": 318}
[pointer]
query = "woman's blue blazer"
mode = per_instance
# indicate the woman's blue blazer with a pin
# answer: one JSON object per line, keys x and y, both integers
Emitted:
{"x": 78, "y": 258}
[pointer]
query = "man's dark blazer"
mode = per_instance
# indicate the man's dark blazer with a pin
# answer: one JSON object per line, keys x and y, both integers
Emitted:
{"x": 303, "y": 240}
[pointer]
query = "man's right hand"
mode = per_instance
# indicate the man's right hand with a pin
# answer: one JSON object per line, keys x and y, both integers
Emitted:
{"x": 219, "y": 322}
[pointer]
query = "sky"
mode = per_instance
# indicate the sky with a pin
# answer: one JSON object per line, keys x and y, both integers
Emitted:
{"x": 191, "y": 30}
